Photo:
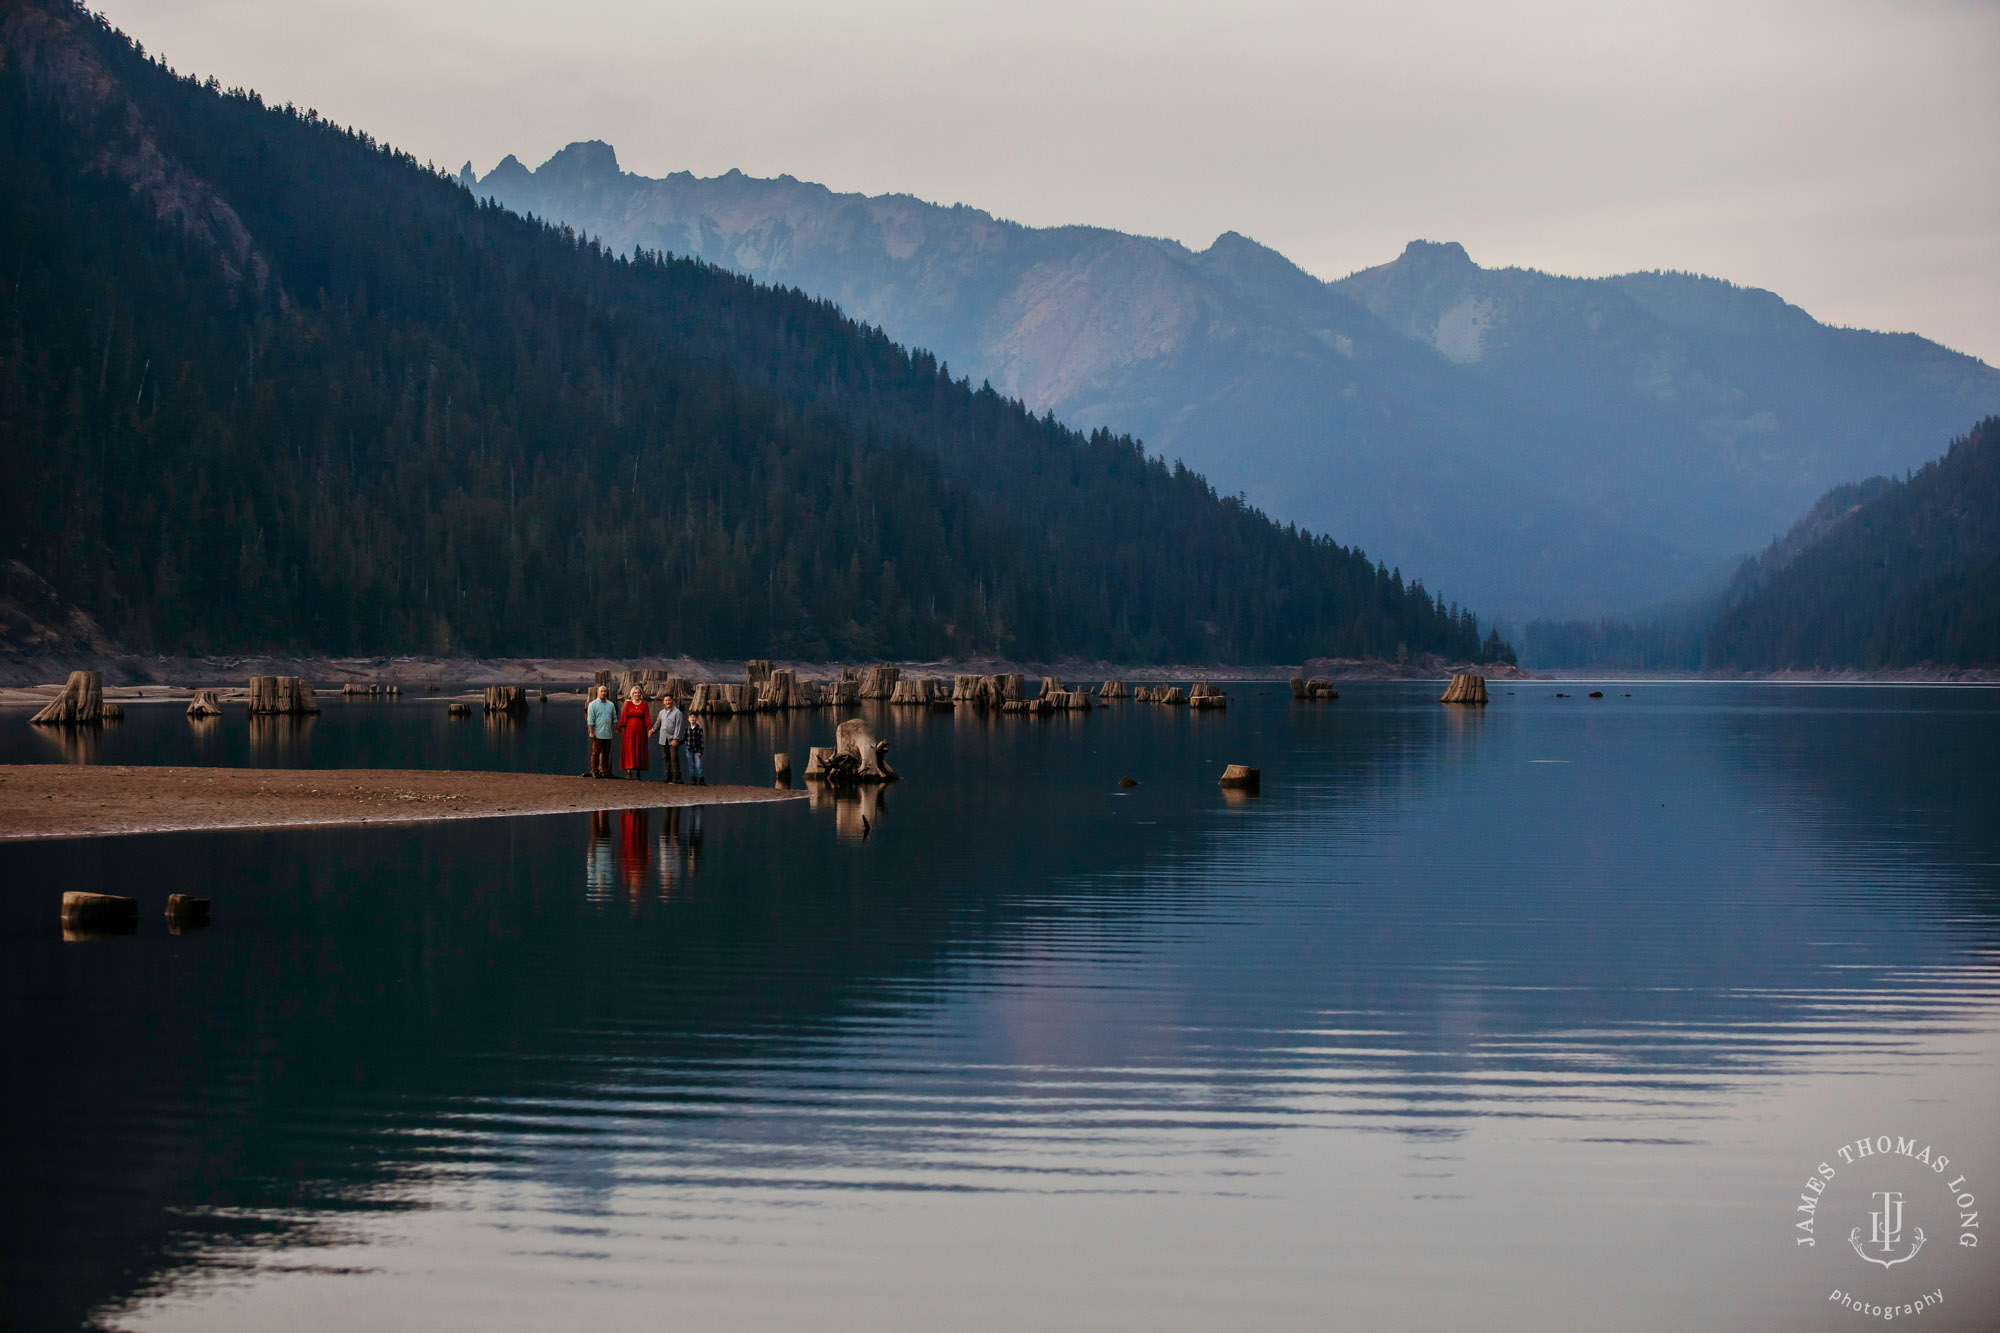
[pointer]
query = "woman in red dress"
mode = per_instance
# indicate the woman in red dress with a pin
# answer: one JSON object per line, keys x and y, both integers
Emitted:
{"x": 634, "y": 722}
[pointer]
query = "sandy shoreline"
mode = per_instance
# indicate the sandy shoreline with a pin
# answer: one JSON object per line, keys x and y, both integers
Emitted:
{"x": 97, "y": 800}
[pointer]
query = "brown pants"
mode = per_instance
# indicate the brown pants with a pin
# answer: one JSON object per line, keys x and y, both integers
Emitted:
{"x": 600, "y": 758}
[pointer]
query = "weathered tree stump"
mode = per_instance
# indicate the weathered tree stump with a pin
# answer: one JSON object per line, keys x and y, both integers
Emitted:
{"x": 879, "y": 682}
{"x": 99, "y": 913}
{"x": 756, "y": 671}
{"x": 856, "y": 739}
{"x": 781, "y": 768}
{"x": 817, "y": 759}
{"x": 204, "y": 704}
{"x": 1298, "y": 685}
{"x": 458, "y": 710}
{"x": 1318, "y": 688}
{"x": 1465, "y": 688}
{"x": 508, "y": 700}
{"x": 271, "y": 695}
{"x": 1115, "y": 689}
{"x": 1239, "y": 778}
{"x": 80, "y": 704}
{"x": 185, "y": 912}
{"x": 1170, "y": 694}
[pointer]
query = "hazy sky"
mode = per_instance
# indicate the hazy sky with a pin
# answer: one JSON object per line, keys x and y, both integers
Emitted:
{"x": 1844, "y": 153}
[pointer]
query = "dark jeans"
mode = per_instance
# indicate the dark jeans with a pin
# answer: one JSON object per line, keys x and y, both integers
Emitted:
{"x": 670, "y": 764}
{"x": 600, "y": 758}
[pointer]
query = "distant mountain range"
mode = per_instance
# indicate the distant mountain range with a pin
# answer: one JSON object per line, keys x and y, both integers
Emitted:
{"x": 1542, "y": 445}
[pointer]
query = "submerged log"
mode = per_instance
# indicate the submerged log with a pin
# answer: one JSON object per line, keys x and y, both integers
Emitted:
{"x": 100, "y": 913}
{"x": 81, "y": 702}
{"x": 855, "y": 739}
{"x": 1240, "y": 778}
{"x": 204, "y": 704}
{"x": 1465, "y": 688}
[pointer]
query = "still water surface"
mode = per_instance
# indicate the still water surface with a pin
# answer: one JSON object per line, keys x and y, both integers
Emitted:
{"x": 1532, "y": 1018}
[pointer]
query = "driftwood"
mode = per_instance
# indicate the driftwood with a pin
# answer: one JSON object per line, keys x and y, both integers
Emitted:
{"x": 81, "y": 702}
{"x": 1240, "y": 778}
{"x": 855, "y": 739}
{"x": 1465, "y": 688}
{"x": 204, "y": 704}
{"x": 280, "y": 694}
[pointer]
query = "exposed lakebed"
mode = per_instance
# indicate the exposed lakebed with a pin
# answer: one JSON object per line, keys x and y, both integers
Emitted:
{"x": 1536, "y": 1016}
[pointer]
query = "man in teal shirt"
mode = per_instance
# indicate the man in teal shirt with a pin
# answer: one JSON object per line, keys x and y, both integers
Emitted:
{"x": 601, "y": 721}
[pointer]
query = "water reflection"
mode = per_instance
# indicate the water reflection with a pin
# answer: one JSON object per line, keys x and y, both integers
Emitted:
{"x": 281, "y": 740}
{"x": 1310, "y": 1058}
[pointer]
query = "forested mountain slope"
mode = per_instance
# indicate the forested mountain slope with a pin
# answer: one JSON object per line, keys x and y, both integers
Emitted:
{"x": 265, "y": 383}
{"x": 1883, "y": 574}
{"x": 1545, "y": 445}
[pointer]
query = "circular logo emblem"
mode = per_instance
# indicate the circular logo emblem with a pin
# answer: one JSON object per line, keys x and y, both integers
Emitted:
{"x": 1888, "y": 1214}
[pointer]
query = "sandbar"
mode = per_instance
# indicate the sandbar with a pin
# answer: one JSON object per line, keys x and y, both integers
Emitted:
{"x": 96, "y": 800}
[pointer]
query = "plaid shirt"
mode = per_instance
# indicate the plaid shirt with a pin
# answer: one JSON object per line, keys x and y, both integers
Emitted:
{"x": 693, "y": 741}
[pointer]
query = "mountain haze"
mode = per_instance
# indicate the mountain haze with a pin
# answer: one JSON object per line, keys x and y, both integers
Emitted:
{"x": 1546, "y": 444}
{"x": 266, "y": 383}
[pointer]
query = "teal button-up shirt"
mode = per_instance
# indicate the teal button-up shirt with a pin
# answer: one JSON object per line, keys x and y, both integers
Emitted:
{"x": 601, "y": 718}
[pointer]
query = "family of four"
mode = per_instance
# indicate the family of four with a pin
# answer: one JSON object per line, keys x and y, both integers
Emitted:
{"x": 676, "y": 732}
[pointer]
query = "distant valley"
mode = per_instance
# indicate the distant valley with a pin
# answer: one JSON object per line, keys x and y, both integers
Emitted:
{"x": 1540, "y": 445}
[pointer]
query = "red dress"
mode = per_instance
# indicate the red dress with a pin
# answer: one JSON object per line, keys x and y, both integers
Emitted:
{"x": 634, "y": 721}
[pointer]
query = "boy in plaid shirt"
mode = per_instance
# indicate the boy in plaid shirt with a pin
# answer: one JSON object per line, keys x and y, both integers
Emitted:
{"x": 693, "y": 747}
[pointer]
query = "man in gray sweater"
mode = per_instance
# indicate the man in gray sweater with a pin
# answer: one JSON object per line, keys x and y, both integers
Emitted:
{"x": 670, "y": 730}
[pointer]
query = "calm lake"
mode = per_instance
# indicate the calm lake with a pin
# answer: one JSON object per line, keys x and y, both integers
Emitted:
{"x": 1536, "y": 1017}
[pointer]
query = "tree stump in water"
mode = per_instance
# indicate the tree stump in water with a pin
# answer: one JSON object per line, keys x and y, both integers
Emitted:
{"x": 1115, "y": 689}
{"x": 280, "y": 694}
{"x": 99, "y": 913}
{"x": 458, "y": 710}
{"x": 1298, "y": 685}
{"x": 1465, "y": 688}
{"x": 81, "y": 702}
{"x": 855, "y": 739}
{"x": 184, "y": 912}
{"x": 1169, "y": 694}
{"x": 511, "y": 700}
{"x": 879, "y": 682}
{"x": 204, "y": 704}
{"x": 1240, "y": 778}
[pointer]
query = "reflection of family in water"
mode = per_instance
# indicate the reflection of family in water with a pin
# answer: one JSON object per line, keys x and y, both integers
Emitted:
{"x": 619, "y": 861}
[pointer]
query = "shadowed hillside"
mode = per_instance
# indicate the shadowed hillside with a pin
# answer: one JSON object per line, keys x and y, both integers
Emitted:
{"x": 266, "y": 383}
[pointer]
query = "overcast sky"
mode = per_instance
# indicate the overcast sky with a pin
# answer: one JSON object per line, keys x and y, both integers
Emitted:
{"x": 1844, "y": 153}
